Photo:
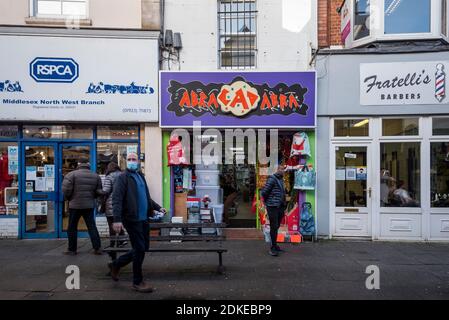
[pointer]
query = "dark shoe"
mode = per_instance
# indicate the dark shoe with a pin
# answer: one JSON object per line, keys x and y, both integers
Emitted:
{"x": 143, "y": 287}
{"x": 113, "y": 271}
{"x": 98, "y": 252}
{"x": 69, "y": 253}
{"x": 278, "y": 249}
{"x": 273, "y": 252}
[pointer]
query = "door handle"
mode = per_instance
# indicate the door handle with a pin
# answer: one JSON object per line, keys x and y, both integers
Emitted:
{"x": 369, "y": 192}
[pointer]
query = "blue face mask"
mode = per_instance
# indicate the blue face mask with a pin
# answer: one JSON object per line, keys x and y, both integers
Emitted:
{"x": 133, "y": 166}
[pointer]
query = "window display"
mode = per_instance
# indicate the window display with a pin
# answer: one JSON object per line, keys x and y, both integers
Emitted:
{"x": 439, "y": 174}
{"x": 9, "y": 179}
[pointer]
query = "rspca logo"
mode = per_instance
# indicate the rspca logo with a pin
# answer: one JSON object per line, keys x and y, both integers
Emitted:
{"x": 58, "y": 70}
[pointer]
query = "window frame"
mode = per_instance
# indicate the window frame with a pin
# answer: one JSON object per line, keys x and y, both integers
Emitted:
{"x": 236, "y": 15}
{"x": 34, "y": 10}
{"x": 369, "y": 137}
{"x": 404, "y": 137}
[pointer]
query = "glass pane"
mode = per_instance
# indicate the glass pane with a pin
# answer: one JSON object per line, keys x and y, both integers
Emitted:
{"x": 361, "y": 19}
{"x": 112, "y": 152}
{"x": 411, "y": 16}
{"x": 40, "y": 217}
{"x": 9, "y": 132}
{"x": 49, "y": 7}
{"x": 350, "y": 176}
{"x": 9, "y": 178}
{"x": 440, "y": 126}
{"x": 400, "y": 127}
{"x": 439, "y": 174}
{"x": 38, "y": 160}
{"x": 74, "y": 8}
{"x": 58, "y": 132}
{"x": 118, "y": 132}
{"x": 238, "y": 59}
{"x": 400, "y": 184}
{"x": 351, "y": 128}
{"x": 70, "y": 158}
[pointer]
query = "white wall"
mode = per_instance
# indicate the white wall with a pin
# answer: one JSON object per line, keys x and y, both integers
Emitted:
{"x": 153, "y": 161}
{"x": 285, "y": 31}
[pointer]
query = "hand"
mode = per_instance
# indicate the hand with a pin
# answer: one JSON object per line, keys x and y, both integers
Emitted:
{"x": 117, "y": 226}
{"x": 163, "y": 210}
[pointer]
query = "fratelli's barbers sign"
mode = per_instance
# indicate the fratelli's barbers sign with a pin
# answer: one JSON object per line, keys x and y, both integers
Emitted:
{"x": 404, "y": 83}
{"x": 238, "y": 99}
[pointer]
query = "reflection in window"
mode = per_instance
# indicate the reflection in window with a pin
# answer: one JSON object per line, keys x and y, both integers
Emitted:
{"x": 9, "y": 132}
{"x": 113, "y": 152}
{"x": 440, "y": 126}
{"x": 407, "y": 16}
{"x": 351, "y": 176}
{"x": 361, "y": 19}
{"x": 400, "y": 127}
{"x": 351, "y": 128}
{"x": 439, "y": 174}
{"x": 119, "y": 132}
{"x": 9, "y": 178}
{"x": 64, "y": 132}
{"x": 400, "y": 184}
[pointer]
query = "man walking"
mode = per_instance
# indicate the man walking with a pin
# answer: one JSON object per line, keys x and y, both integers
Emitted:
{"x": 274, "y": 196}
{"x": 81, "y": 187}
{"x": 132, "y": 206}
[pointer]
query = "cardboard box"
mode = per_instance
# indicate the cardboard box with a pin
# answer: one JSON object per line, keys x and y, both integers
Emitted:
{"x": 181, "y": 205}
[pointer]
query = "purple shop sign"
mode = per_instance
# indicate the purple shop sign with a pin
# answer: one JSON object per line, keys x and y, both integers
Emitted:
{"x": 238, "y": 99}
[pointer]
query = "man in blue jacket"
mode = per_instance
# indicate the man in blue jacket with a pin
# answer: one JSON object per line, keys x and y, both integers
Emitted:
{"x": 274, "y": 197}
{"x": 132, "y": 206}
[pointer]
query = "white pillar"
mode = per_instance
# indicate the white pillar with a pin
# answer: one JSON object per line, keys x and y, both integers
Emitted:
{"x": 153, "y": 161}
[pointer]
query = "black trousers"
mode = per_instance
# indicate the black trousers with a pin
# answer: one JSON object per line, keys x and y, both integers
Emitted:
{"x": 139, "y": 236}
{"x": 275, "y": 215}
{"x": 72, "y": 230}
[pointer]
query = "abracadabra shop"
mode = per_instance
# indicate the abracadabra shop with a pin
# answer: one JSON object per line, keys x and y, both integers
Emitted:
{"x": 226, "y": 104}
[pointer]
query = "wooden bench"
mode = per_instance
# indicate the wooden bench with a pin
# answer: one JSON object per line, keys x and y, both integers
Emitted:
{"x": 177, "y": 247}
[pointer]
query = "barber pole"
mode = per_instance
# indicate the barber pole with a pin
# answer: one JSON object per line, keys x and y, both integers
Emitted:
{"x": 440, "y": 83}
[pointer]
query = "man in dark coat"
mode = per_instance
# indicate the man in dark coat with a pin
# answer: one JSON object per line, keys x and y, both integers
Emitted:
{"x": 274, "y": 196}
{"x": 81, "y": 187}
{"x": 132, "y": 206}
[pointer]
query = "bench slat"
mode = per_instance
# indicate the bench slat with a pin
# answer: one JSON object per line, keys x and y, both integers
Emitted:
{"x": 168, "y": 250}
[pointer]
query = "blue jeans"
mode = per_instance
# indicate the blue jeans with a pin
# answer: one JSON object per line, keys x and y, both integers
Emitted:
{"x": 72, "y": 230}
{"x": 139, "y": 236}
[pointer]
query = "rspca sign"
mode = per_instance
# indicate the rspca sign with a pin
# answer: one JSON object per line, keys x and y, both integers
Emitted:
{"x": 59, "y": 70}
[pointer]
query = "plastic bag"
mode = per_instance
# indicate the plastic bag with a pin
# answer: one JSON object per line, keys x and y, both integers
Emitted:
{"x": 305, "y": 178}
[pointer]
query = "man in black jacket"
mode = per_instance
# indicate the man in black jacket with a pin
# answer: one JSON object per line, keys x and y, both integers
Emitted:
{"x": 132, "y": 206}
{"x": 81, "y": 187}
{"x": 274, "y": 196}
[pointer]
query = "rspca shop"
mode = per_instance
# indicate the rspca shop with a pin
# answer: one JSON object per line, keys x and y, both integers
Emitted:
{"x": 66, "y": 95}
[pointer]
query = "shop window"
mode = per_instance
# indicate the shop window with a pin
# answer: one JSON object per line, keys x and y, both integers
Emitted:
{"x": 400, "y": 127}
{"x": 439, "y": 174}
{"x": 9, "y": 178}
{"x": 351, "y": 128}
{"x": 237, "y": 33}
{"x": 361, "y": 19}
{"x": 400, "y": 184}
{"x": 113, "y": 152}
{"x": 50, "y": 8}
{"x": 64, "y": 132}
{"x": 9, "y": 132}
{"x": 118, "y": 132}
{"x": 440, "y": 126}
{"x": 411, "y": 16}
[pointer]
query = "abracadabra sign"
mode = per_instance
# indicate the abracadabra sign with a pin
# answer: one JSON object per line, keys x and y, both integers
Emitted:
{"x": 238, "y": 99}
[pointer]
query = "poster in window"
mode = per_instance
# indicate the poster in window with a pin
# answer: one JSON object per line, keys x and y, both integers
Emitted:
{"x": 40, "y": 184}
{"x": 361, "y": 173}
{"x": 340, "y": 174}
{"x": 13, "y": 167}
{"x": 351, "y": 173}
{"x": 31, "y": 173}
{"x": 37, "y": 208}
{"x": 29, "y": 186}
{"x": 49, "y": 170}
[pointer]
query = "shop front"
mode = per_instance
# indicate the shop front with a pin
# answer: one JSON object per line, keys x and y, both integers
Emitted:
{"x": 60, "y": 102}
{"x": 386, "y": 169}
{"x": 225, "y": 132}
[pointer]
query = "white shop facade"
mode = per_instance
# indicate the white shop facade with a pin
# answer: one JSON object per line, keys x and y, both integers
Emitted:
{"x": 67, "y": 94}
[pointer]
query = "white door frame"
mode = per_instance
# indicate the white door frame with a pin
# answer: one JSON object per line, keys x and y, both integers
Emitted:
{"x": 368, "y": 210}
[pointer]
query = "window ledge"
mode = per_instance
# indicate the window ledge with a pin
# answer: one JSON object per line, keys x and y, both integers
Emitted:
{"x": 57, "y": 21}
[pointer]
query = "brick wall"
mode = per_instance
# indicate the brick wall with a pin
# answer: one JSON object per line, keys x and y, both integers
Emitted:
{"x": 328, "y": 23}
{"x": 9, "y": 228}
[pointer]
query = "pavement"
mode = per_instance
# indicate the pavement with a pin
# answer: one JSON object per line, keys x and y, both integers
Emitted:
{"x": 35, "y": 269}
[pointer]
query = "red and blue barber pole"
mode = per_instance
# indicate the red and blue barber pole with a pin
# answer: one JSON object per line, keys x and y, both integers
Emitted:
{"x": 440, "y": 83}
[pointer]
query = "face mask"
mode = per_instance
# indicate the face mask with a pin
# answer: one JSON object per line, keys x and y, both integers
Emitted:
{"x": 133, "y": 166}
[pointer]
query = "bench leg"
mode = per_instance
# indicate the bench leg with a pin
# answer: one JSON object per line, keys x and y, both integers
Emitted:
{"x": 221, "y": 268}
